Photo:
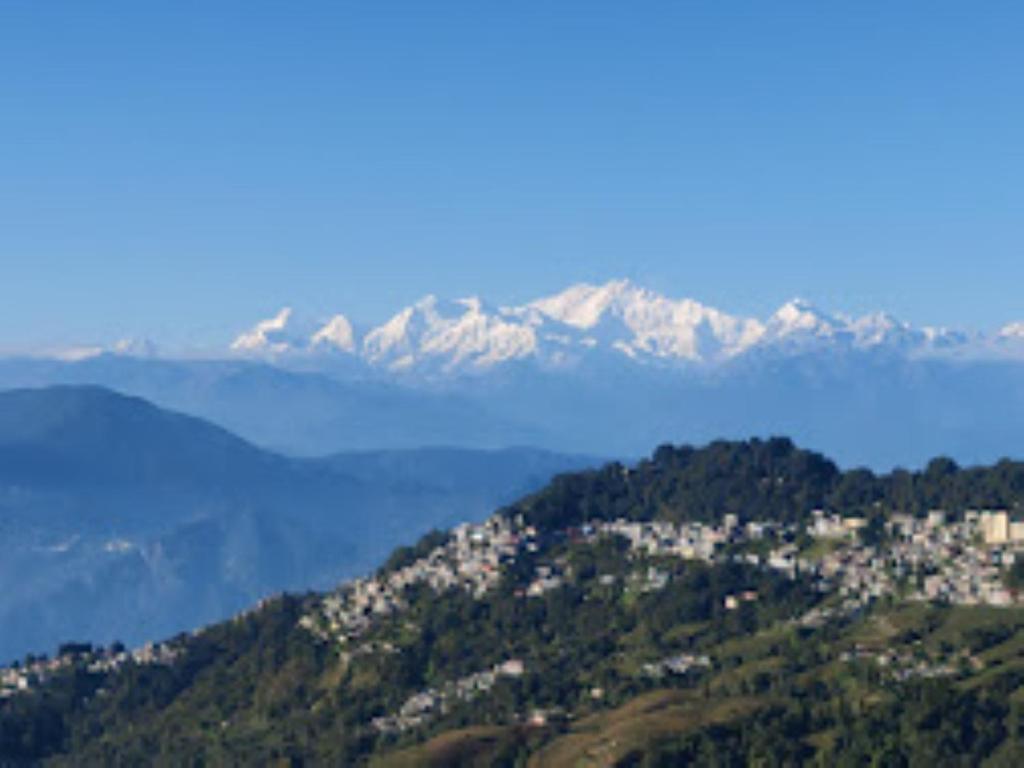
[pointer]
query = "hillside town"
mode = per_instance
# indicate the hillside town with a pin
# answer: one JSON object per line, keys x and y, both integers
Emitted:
{"x": 957, "y": 560}
{"x": 470, "y": 560}
{"x": 34, "y": 672}
{"x": 934, "y": 558}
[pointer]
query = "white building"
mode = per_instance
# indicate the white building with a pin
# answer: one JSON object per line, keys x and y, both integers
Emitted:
{"x": 995, "y": 527}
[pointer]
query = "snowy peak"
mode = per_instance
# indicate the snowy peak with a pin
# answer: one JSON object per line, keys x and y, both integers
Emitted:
{"x": 583, "y": 306}
{"x": 393, "y": 342}
{"x": 1009, "y": 341}
{"x": 616, "y": 321}
{"x": 640, "y": 323}
{"x": 278, "y": 336}
{"x": 447, "y": 335}
{"x": 801, "y": 319}
{"x": 584, "y": 327}
{"x": 266, "y": 337}
{"x": 126, "y": 347}
{"x": 1012, "y": 332}
{"x": 336, "y": 334}
{"x": 799, "y": 325}
{"x": 880, "y": 328}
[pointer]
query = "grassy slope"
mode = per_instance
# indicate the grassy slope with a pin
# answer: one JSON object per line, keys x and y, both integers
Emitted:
{"x": 619, "y": 735}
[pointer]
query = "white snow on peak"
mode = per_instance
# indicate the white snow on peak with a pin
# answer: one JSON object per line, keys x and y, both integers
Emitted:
{"x": 621, "y": 318}
{"x": 617, "y": 319}
{"x": 798, "y": 324}
{"x": 582, "y": 306}
{"x": 879, "y": 328}
{"x": 265, "y": 336}
{"x": 1012, "y": 332}
{"x": 128, "y": 347}
{"x": 393, "y": 336}
{"x": 448, "y": 334}
{"x": 337, "y": 334}
{"x": 800, "y": 317}
{"x": 640, "y": 323}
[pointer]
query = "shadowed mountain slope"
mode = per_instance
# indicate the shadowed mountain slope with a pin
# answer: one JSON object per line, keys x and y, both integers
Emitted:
{"x": 121, "y": 520}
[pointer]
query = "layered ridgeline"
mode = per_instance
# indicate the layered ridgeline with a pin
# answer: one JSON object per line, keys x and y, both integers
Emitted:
{"x": 745, "y": 603}
{"x": 610, "y": 369}
{"x": 122, "y": 521}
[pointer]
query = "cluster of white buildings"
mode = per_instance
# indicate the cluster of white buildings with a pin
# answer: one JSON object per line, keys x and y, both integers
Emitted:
{"x": 959, "y": 562}
{"x": 997, "y": 527}
{"x": 15, "y": 680}
{"x": 470, "y": 560}
{"x": 433, "y": 702}
{"x": 28, "y": 676}
{"x": 927, "y": 558}
{"x": 691, "y": 541}
{"x": 854, "y": 571}
{"x": 700, "y": 541}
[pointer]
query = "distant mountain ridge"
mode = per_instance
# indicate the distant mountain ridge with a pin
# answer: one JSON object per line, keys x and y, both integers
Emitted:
{"x": 300, "y": 412}
{"x": 618, "y": 318}
{"x": 121, "y": 520}
{"x": 89, "y": 436}
{"x": 437, "y": 337}
{"x": 608, "y": 369}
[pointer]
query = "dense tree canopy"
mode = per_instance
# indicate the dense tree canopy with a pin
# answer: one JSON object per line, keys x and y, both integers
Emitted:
{"x": 764, "y": 479}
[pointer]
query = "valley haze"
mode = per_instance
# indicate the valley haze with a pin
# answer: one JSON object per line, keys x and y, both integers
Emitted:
{"x": 123, "y": 521}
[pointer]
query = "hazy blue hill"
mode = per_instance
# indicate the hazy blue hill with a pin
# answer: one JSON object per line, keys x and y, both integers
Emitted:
{"x": 86, "y": 436}
{"x": 121, "y": 520}
{"x": 297, "y": 412}
{"x": 862, "y": 407}
{"x": 445, "y": 468}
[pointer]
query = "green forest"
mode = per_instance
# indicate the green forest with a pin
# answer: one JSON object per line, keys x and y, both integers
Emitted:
{"x": 594, "y": 688}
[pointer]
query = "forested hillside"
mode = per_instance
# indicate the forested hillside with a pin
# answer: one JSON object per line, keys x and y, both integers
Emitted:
{"x": 742, "y": 603}
{"x": 764, "y": 479}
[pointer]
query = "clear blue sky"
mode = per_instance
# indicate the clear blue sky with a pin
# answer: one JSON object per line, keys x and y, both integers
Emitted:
{"x": 178, "y": 169}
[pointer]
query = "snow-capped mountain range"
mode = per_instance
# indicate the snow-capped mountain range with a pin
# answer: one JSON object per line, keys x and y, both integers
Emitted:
{"x": 608, "y": 369}
{"x": 618, "y": 319}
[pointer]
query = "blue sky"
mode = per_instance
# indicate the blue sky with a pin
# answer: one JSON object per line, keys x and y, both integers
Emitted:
{"x": 179, "y": 169}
